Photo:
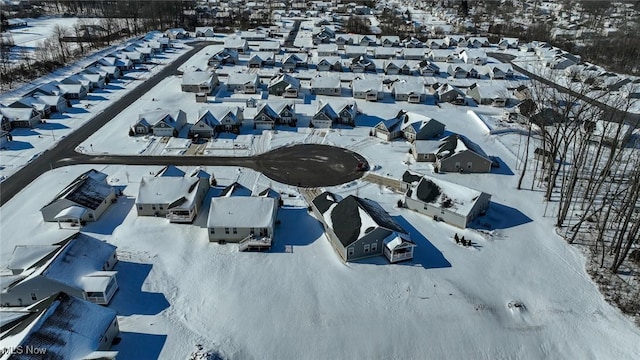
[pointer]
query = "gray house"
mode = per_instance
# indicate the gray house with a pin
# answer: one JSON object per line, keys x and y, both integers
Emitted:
{"x": 159, "y": 123}
{"x": 457, "y": 153}
{"x": 199, "y": 81}
{"x": 243, "y": 82}
{"x": 284, "y": 85}
{"x": 415, "y": 126}
{"x": 84, "y": 199}
{"x": 359, "y": 228}
{"x": 79, "y": 265}
{"x": 411, "y": 91}
{"x": 326, "y": 85}
{"x": 66, "y": 326}
{"x": 172, "y": 194}
{"x": 206, "y": 126}
{"x": 368, "y": 89}
{"x": 21, "y": 117}
{"x": 454, "y": 204}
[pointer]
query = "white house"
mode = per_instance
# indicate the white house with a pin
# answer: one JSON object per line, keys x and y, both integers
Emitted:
{"x": 66, "y": 326}
{"x": 79, "y": 265}
{"x": 242, "y": 219}
{"x": 177, "y": 198}
{"x": 474, "y": 56}
{"x": 370, "y": 89}
{"x": 247, "y": 83}
{"x": 84, "y": 199}
{"x": 441, "y": 200}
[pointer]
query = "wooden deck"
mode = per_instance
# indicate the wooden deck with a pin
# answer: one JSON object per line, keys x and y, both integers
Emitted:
{"x": 252, "y": 243}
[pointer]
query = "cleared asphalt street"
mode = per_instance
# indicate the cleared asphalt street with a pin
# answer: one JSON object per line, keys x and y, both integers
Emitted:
{"x": 303, "y": 165}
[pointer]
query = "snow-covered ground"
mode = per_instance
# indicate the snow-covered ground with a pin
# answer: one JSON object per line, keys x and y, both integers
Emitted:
{"x": 27, "y": 144}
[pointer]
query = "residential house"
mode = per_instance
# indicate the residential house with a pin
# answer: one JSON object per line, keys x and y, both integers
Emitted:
{"x": 425, "y": 150}
{"x": 172, "y": 194}
{"x": 261, "y": 59}
{"x": 413, "y": 54}
{"x": 369, "y": 89}
{"x": 457, "y": 154}
{"x": 246, "y": 83}
{"x": 269, "y": 46}
{"x": 473, "y": 56}
{"x": 85, "y": 199}
{"x": 488, "y": 94}
{"x": 478, "y": 41}
{"x": 325, "y": 116}
{"x": 77, "y": 79}
{"x": 522, "y": 92}
{"x": 199, "y": 81}
{"x": 223, "y": 57}
{"x": 31, "y": 102}
{"x": 352, "y": 51}
{"x": 236, "y": 44}
{"x": 385, "y": 52}
{"x": 343, "y": 40}
{"x": 284, "y": 85}
{"x": 242, "y": 219}
{"x": 326, "y": 85}
{"x": 441, "y": 55}
{"x": 292, "y": 61}
{"x": 395, "y": 67}
{"x": 5, "y": 138}
{"x": 347, "y": 112}
{"x": 327, "y": 50}
{"x": 428, "y": 68}
{"x": 412, "y": 43}
{"x": 390, "y": 41}
{"x": 230, "y": 118}
{"x": 204, "y": 31}
{"x": 21, "y": 117}
{"x": 508, "y": 43}
{"x": 411, "y": 91}
{"x": 359, "y": 228}
{"x": 96, "y": 81}
{"x": 329, "y": 63}
{"x": 498, "y": 71}
{"x": 436, "y": 44}
{"x": 72, "y": 91}
{"x": 265, "y": 118}
{"x": 5, "y": 124}
{"x": 176, "y": 33}
{"x": 67, "y": 327}
{"x": 608, "y": 133}
{"x": 159, "y": 123}
{"x": 206, "y": 126}
{"x": 368, "y": 40}
{"x": 361, "y": 64}
{"x": 79, "y": 265}
{"x": 448, "y": 93}
{"x": 441, "y": 200}
{"x": 414, "y": 126}
{"x": 455, "y": 40}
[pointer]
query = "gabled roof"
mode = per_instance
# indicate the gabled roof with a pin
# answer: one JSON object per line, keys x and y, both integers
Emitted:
{"x": 390, "y": 124}
{"x": 242, "y": 79}
{"x": 245, "y": 212}
{"x": 290, "y": 80}
{"x": 367, "y": 85}
{"x": 88, "y": 190}
{"x": 198, "y": 77}
{"x": 68, "y": 327}
{"x": 456, "y": 143}
{"x": 235, "y": 189}
{"x": 16, "y": 113}
{"x": 352, "y": 217}
{"x": 408, "y": 87}
{"x": 443, "y": 194}
{"x": 171, "y": 190}
{"x": 327, "y": 109}
{"x": 416, "y": 121}
{"x": 325, "y": 82}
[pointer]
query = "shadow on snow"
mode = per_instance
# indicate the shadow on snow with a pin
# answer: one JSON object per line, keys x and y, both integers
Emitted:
{"x": 130, "y": 298}
{"x": 139, "y": 346}
{"x": 500, "y": 216}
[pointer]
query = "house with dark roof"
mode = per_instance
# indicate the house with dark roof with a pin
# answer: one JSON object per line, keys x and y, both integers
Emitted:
{"x": 61, "y": 327}
{"x": 441, "y": 200}
{"x": 178, "y": 198}
{"x": 84, "y": 199}
{"x": 79, "y": 265}
{"x": 458, "y": 154}
{"x": 359, "y": 228}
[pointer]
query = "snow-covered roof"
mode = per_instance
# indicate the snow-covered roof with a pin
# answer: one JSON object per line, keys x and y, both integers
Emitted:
{"x": 242, "y": 79}
{"x": 197, "y": 78}
{"x": 396, "y": 240}
{"x": 367, "y": 85}
{"x": 67, "y": 327}
{"x": 166, "y": 189}
{"x": 352, "y": 217}
{"x": 242, "y": 211}
{"x": 446, "y": 195}
{"x": 408, "y": 87}
{"x": 325, "y": 82}
{"x": 72, "y": 212}
{"x": 88, "y": 190}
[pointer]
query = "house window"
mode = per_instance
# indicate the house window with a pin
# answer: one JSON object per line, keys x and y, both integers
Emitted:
{"x": 90, "y": 216}
{"x": 457, "y": 165}
{"x": 213, "y": 231}
{"x": 153, "y": 207}
{"x": 351, "y": 251}
{"x": 366, "y": 248}
{"x": 161, "y": 207}
{"x": 140, "y": 207}
{"x": 235, "y": 230}
{"x": 469, "y": 165}
{"x": 33, "y": 296}
{"x": 374, "y": 247}
{"x": 226, "y": 230}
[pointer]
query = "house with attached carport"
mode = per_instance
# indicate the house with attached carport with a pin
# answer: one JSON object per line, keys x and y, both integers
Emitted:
{"x": 79, "y": 265}
{"x": 85, "y": 199}
{"x": 370, "y": 89}
{"x": 176, "y": 196}
{"x": 65, "y": 326}
{"x": 246, "y": 83}
{"x": 441, "y": 200}
{"x": 458, "y": 154}
{"x": 199, "y": 81}
{"x": 359, "y": 228}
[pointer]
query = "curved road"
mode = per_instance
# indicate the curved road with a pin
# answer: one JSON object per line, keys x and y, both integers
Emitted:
{"x": 301, "y": 165}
